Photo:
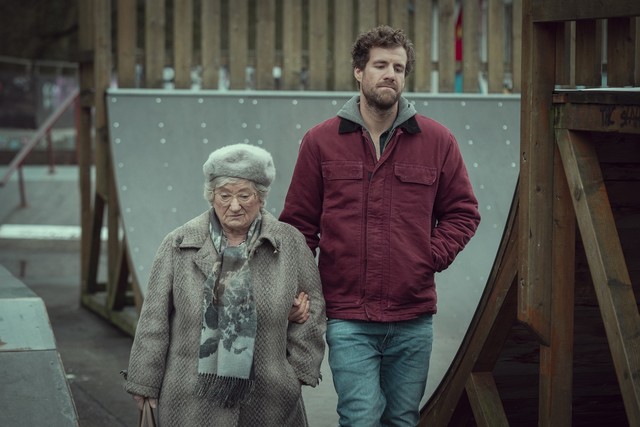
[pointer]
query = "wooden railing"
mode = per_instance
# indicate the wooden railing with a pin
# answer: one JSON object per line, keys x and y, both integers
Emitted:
{"x": 305, "y": 44}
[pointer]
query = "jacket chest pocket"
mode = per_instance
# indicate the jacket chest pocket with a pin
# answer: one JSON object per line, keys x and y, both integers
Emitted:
{"x": 414, "y": 189}
{"x": 343, "y": 181}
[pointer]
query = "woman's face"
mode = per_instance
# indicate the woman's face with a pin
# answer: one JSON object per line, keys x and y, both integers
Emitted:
{"x": 236, "y": 206}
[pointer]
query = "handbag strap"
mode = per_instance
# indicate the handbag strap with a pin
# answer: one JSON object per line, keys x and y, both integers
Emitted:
{"x": 146, "y": 419}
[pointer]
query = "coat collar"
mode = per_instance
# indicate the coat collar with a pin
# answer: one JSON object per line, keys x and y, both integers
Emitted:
{"x": 195, "y": 234}
{"x": 410, "y": 126}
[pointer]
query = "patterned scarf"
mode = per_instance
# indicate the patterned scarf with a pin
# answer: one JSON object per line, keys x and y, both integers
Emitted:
{"x": 227, "y": 338}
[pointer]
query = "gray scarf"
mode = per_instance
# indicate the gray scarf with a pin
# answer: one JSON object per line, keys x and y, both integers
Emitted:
{"x": 229, "y": 322}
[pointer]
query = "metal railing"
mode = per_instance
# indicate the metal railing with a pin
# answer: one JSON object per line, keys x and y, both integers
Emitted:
{"x": 44, "y": 131}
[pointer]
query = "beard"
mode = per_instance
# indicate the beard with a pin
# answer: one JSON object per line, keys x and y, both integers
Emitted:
{"x": 380, "y": 98}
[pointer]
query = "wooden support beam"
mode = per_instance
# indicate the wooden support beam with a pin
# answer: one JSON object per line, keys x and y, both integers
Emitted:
{"x": 572, "y": 10}
{"x": 84, "y": 141}
{"x": 556, "y": 359}
{"x": 117, "y": 293}
{"x": 536, "y": 176}
{"x": 606, "y": 262}
{"x": 485, "y": 400}
{"x": 599, "y": 117}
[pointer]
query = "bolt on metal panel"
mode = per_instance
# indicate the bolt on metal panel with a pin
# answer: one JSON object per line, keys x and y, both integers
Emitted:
{"x": 160, "y": 139}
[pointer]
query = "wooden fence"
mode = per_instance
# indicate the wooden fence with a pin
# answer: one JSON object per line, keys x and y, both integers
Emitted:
{"x": 305, "y": 44}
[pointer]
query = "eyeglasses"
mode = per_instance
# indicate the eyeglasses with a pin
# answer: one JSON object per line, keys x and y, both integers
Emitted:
{"x": 243, "y": 198}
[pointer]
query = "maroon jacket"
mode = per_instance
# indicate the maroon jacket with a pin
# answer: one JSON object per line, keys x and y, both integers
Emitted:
{"x": 383, "y": 227}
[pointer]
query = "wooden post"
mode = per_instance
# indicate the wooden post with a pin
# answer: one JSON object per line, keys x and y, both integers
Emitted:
{"x": 182, "y": 42}
{"x": 210, "y": 44}
{"x": 265, "y": 44}
{"x": 127, "y": 45}
{"x": 446, "y": 52}
{"x": 292, "y": 44}
{"x": 536, "y": 175}
{"x": 318, "y": 45}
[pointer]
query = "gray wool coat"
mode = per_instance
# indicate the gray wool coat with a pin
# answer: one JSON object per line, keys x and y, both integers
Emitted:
{"x": 164, "y": 356}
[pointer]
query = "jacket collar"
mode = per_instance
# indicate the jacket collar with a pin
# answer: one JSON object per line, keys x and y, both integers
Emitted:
{"x": 195, "y": 234}
{"x": 410, "y": 126}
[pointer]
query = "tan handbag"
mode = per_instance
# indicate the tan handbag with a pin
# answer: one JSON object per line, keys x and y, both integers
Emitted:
{"x": 147, "y": 419}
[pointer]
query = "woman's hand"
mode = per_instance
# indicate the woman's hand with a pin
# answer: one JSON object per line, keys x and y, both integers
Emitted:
{"x": 299, "y": 312}
{"x": 140, "y": 401}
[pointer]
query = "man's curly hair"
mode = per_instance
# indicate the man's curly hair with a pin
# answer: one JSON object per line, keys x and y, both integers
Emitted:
{"x": 384, "y": 37}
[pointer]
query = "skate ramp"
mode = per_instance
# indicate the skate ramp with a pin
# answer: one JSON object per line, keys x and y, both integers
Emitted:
{"x": 160, "y": 139}
{"x": 34, "y": 389}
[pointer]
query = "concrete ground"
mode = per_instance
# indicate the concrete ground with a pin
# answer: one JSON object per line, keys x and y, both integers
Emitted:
{"x": 93, "y": 351}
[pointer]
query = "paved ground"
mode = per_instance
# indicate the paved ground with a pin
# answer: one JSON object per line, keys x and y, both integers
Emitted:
{"x": 92, "y": 350}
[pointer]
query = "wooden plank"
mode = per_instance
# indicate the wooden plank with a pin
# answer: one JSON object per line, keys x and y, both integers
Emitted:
{"x": 485, "y": 400}
{"x": 446, "y": 43}
{"x": 291, "y": 44}
{"x": 238, "y": 44}
{"x": 606, "y": 262}
{"x": 182, "y": 42}
{"x": 127, "y": 43}
{"x": 620, "y": 53}
{"x": 636, "y": 65}
{"x": 564, "y": 62}
{"x": 400, "y": 20}
{"x": 495, "y": 46}
{"x": 400, "y": 15}
{"x": 318, "y": 44}
{"x": 211, "y": 21}
{"x": 342, "y": 41}
{"x": 117, "y": 294}
{"x": 367, "y": 16}
{"x": 84, "y": 138}
{"x": 599, "y": 118}
{"x": 556, "y": 360}
{"x": 536, "y": 175}
{"x": 423, "y": 16}
{"x": 516, "y": 37}
{"x": 266, "y": 44}
{"x": 491, "y": 323}
{"x": 589, "y": 53}
{"x": 383, "y": 12}
{"x": 471, "y": 33}
{"x": 154, "y": 43}
{"x": 571, "y": 10}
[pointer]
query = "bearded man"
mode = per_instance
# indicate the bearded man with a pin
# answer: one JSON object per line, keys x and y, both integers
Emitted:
{"x": 384, "y": 194}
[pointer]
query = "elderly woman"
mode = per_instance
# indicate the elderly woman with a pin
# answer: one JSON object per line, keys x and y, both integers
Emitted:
{"x": 214, "y": 344}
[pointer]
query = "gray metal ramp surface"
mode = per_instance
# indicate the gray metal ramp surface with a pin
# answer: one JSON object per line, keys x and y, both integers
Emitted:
{"x": 160, "y": 139}
{"x": 34, "y": 389}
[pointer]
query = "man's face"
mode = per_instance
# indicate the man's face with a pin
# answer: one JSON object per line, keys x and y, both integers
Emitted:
{"x": 382, "y": 80}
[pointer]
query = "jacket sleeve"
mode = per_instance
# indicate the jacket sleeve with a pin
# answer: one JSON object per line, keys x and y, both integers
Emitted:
{"x": 151, "y": 341}
{"x": 303, "y": 204}
{"x": 455, "y": 210}
{"x": 305, "y": 341}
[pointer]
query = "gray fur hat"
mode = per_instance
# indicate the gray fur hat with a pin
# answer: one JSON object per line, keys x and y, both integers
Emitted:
{"x": 241, "y": 161}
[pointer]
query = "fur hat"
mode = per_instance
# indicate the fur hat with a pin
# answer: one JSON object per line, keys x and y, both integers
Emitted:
{"x": 241, "y": 161}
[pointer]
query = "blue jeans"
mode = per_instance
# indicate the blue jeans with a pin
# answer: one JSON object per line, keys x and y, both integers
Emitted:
{"x": 379, "y": 370}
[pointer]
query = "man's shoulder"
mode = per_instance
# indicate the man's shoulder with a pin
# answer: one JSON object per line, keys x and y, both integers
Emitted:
{"x": 431, "y": 128}
{"x": 329, "y": 125}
